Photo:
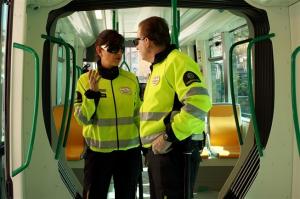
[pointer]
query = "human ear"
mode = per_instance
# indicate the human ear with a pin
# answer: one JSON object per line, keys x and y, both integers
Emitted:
{"x": 98, "y": 51}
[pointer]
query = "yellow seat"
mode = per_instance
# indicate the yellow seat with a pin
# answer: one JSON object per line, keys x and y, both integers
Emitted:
{"x": 75, "y": 143}
{"x": 223, "y": 135}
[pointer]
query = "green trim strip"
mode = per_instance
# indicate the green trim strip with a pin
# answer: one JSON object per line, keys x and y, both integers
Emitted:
{"x": 67, "y": 91}
{"x": 175, "y": 26}
{"x": 36, "y": 105}
{"x": 78, "y": 72}
{"x": 232, "y": 88}
{"x": 250, "y": 90}
{"x": 294, "y": 96}
{"x": 124, "y": 63}
{"x": 72, "y": 95}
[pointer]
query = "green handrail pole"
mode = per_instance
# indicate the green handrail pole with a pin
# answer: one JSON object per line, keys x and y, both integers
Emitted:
{"x": 124, "y": 62}
{"x": 232, "y": 88}
{"x": 54, "y": 39}
{"x": 72, "y": 95}
{"x": 174, "y": 23}
{"x": 294, "y": 96}
{"x": 66, "y": 105}
{"x": 67, "y": 91}
{"x": 114, "y": 20}
{"x": 78, "y": 72}
{"x": 178, "y": 22}
{"x": 35, "y": 110}
{"x": 250, "y": 89}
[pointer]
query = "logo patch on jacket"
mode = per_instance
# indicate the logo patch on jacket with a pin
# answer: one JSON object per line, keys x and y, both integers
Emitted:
{"x": 102, "y": 93}
{"x": 125, "y": 90}
{"x": 190, "y": 77}
{"x": 155, "y": 80}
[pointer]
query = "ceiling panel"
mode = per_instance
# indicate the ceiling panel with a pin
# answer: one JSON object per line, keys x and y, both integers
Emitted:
{"x": 45, "y": 3}
{"x": 272, "y": 2}
{"x": 194, "y": 23}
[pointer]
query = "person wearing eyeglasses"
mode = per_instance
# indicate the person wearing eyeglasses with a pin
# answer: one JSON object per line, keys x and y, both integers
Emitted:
{"x": 107, "y": 105}
{"x": 172, "y": 115}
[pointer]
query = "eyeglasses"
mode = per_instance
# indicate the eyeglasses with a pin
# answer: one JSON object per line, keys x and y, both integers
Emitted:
{"x": 136, "y": 41}
{"x": 113, "y": 49}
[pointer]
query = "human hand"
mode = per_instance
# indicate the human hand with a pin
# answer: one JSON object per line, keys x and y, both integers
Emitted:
{"x": 94, "y": 77}
{"x": 161, "y": 146}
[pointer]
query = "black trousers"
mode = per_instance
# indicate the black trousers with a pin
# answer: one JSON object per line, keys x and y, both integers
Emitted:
{"x": 166, "y": 171}
{"x": 99, "y": 168}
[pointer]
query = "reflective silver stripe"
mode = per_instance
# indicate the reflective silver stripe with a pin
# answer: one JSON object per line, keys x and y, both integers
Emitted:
{"x": 112, "y": 144}
{"x": 196, "y": 91}
{"x": 196, "y": 112}
{"x": 198, "y": 136}
{"x": 112, "y": 121}
{"x": 106, "y": 121}
{"x": 152, "y": 116}
{"x": 150, "y": 138}
{"x": 82, "y": 118}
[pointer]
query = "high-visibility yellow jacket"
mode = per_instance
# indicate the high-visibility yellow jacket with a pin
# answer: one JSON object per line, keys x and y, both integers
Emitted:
{"x": 110, "y": 122}
{"x": 173, "y": 72}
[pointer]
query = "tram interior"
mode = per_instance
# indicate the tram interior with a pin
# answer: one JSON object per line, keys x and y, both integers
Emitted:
{"x": 206, "y": 35}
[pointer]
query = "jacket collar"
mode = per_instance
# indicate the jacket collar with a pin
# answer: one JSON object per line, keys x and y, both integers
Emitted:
{"x": 109, "y": 74}
{"x": 159, "y": 57}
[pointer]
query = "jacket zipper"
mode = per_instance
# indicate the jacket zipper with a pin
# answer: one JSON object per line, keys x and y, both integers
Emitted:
{"x": 116, "y": 114}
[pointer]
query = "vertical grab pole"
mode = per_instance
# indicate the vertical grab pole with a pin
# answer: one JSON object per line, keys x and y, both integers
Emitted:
{"x": 250, "y": 89}
{"x": 35, "y": 110}
{"x": 187, "y": 154}
{"x": 78, "y": 72}
{"x": 115, "y": 21}
{"x": 67, "y": 92}
{"x": 232, "y": 88}
{"x": 294, "y": 96}
{"x": 72, "y": 95}
{"x": 174, "y": 23}
{"x": 187, "y": 175}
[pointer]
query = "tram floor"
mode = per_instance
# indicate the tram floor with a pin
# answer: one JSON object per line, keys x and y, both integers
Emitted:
{"x": 210, "y": 179}
{"x": 202, "y": 192}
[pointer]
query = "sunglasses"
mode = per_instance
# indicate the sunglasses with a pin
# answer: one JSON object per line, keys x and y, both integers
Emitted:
{"x": 113, "y": 49}
{"x": 136, "y": 41}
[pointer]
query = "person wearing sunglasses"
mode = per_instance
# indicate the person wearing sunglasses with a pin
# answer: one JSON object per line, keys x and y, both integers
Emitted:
{"x": 107, "y": 105}
{"x": 172, "y": 114}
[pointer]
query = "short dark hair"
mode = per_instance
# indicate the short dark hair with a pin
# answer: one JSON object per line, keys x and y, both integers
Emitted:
{"x": 109, "y": 38}
{"x": 156, "y": 29}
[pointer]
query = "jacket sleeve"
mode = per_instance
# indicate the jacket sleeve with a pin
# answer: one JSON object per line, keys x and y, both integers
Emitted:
{"x": 84, "y": 104}
{"x": 185, "y": 78}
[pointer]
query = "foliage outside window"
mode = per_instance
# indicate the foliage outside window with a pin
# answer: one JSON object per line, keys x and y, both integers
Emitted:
{"x": 217, "y": 69}
{"x": 217, "y": 78}
{"x": 240, "y": 69}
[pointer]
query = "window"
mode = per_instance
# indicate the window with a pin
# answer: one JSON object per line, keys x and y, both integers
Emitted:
{"x": 217, "y": 78}
{"x": 219, "y": 72}
{"x": 59, "y": 74}
{"x": 217, "y": 69}
{"x": 216, "y": 47}
{"x": 3, "y": 38}
{"x": 240, "y": 69}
